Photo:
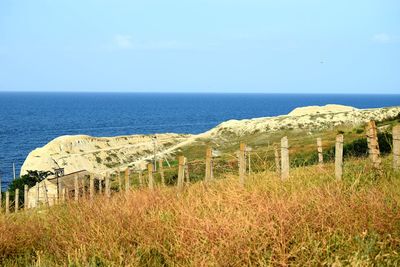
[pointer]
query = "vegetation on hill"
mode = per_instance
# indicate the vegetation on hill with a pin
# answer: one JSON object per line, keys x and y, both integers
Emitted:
{"x": 303, "y": 148}
{"x": 311, "y": 219}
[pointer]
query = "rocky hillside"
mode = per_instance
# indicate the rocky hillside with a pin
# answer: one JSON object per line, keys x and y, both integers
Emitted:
{"x": 313, "y": 117}
{"x": 100, "y": 155}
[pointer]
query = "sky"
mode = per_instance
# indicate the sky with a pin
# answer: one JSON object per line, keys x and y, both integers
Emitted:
{"x": 268, "y": 46}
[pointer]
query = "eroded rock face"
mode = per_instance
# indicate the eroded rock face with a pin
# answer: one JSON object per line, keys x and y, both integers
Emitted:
{"x": 97, "y": 155}
{"x": 314, "y": 118}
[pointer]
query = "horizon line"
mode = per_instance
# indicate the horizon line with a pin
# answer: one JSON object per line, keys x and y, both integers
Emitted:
{"x": 198, "y": 92}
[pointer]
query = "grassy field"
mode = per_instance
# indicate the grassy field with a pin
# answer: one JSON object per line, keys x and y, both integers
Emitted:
{"x": 308, "y": 220}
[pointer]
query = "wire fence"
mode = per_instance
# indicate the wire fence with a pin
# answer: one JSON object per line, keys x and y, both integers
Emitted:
{"x": 182, "y": 172}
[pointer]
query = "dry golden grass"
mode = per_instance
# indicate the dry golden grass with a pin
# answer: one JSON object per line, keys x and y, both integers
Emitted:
{"x": 309, "y": 220}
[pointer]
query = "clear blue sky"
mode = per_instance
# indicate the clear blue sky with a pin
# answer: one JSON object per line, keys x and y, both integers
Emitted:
{"x": 301, "y": 46}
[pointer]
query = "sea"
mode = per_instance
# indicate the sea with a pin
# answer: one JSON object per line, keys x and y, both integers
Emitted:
{"x": 31, "y": 120}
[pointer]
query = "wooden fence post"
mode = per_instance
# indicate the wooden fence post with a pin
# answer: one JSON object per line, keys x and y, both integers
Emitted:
{"x": 107, "y": 185}
{"x": 91, "y": 186}
{"x": 37, "y": 194}
{"x": 242, "y": 163}
{"x": 119, "y": 180}
{"x": 181, "y": 171}
{"x": 16, "y": 200}
{"x": 396, "y": 147}
{"x": 46, "y": 196}
{"x": 83, "y": 183}
{"x": 150, "y": 169}
{"x": 161, "y": 169}
{"x": 339, "y": 157}
{"x": 59, "y": 191}
{"x": 319, "y": 149}
{"x": 285, "y": 158}
{"x": 100, "y": 186}
{"x": 7, "y": 202}
{"x": 64, "y": 194}
{"x": 140, "y": 176}
{"x": 208, "y": 175}
{"x": 76, "y": 188}
{"x": 127, "y": 181}
{"x": 277, "y": 159}
{"x": 373, "y": 145}
{"x": 26, "y": 197}
{"x": 186, "y": 171}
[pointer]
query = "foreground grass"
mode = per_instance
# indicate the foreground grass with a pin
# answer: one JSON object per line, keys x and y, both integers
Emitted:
{"x": 308, "y": 220}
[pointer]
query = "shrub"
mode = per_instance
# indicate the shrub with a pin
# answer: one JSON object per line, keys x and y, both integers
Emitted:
{"x": 359, "y": 130}
{"x": 30, "y": 179}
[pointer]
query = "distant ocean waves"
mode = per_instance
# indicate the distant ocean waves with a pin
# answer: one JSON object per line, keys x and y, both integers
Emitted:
{"x": 30, "y": 120}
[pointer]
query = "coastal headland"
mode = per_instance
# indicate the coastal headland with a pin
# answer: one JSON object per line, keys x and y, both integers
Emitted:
{"x": 104, "y": 154}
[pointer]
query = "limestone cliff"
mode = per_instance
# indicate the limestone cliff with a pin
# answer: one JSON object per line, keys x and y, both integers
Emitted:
{"x": 304, "y": 118}
{"x": 98, "y": 155}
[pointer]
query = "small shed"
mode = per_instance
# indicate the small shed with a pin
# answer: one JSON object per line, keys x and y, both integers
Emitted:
{"x": 47, "y": 190}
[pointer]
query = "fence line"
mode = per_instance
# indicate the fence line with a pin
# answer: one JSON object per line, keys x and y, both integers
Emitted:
{"x": 282, "y": 165}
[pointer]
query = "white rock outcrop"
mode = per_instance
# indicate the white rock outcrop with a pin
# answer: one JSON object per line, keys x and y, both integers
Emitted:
{"x": 304, "y": 118}
{"x": 97, "y": 155}
{"x": 310, "y": 110}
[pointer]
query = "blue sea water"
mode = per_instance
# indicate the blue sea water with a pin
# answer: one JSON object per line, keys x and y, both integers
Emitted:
{"x": 30, "y": 120}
